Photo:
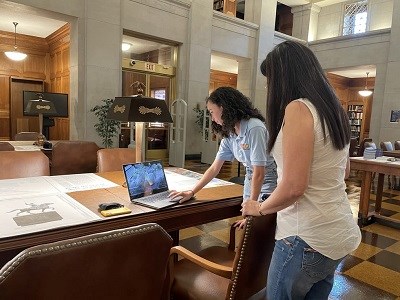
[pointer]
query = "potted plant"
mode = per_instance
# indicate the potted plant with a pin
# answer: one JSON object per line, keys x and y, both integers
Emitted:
{"x": 106, "y": 128}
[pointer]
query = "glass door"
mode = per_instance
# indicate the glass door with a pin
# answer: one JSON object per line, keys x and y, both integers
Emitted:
{"x": 157, "y": 133}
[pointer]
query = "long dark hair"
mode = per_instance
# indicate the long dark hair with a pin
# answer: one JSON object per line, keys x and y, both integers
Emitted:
{"x": 235, "y": 107}
{"x": 293, "y": 72}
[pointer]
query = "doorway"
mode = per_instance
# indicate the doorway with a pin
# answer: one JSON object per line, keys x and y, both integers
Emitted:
{"x": 19, "y": 122}
{"x": 158, "y": 86}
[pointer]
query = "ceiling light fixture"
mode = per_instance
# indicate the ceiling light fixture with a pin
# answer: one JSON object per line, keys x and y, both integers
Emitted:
{"x": 366, "y": 92}
{"x": 15, "y": 55}
{"x": 126, "y": 46}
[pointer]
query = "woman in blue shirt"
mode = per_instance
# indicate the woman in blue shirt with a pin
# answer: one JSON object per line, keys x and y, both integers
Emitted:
{"x": 245, "y": 138}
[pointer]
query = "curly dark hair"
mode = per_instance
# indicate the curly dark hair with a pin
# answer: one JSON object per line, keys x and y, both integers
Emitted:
{"x": 235, "y": 107}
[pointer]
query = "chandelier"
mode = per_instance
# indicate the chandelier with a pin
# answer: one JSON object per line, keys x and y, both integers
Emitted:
{"x": 15, "y": 55}
{"x": 365, "y": 92}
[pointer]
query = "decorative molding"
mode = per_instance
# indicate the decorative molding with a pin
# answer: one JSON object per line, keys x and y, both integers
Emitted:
{"x": 234, "y": 20}
{"x": 352, "y": 37}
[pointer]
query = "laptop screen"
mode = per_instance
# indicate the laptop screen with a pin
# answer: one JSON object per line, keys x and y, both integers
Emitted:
{"x": 145, "y": 178}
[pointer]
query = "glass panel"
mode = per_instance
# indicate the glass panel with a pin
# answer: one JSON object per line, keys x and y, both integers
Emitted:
{"x": 157, "y": 133}
{"x": 128, "y": 78}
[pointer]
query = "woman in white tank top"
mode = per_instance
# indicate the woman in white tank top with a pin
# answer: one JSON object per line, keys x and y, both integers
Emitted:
{"x": 309, "y": 139}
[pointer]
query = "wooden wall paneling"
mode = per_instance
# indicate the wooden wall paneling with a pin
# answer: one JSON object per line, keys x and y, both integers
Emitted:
{"x": 4, "y": 107}
{"x": 219, "y": 78}
{"x": 18, "y": 121}
{"x": 59, "y": 45}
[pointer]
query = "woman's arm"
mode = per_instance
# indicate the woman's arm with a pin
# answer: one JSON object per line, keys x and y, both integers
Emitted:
{"x": 211, "y": 172}
{"x": 347, "y": 172}
{"x": 298, "y": 151}
{"x": 257, "y": 181}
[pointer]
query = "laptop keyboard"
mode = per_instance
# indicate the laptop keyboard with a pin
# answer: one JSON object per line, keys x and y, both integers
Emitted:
{"x": 156, "y": 197}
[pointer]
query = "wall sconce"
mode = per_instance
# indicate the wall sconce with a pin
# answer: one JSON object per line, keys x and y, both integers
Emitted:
{"x": 15, "y": 55}
{"x": 366, "y": 92}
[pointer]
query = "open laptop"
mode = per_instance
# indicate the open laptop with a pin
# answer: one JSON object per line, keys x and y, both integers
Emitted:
{"x": 147, "y": 184}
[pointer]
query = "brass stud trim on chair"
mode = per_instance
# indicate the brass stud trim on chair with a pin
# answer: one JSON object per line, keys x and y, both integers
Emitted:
{"x": 242, "y": 253}
{"x": 57, "y": 248}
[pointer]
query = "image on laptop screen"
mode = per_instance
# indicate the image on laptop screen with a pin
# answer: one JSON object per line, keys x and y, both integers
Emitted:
{"x": 145, "y": 178}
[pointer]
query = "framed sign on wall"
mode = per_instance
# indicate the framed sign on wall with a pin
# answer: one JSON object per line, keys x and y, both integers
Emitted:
{"x": 395, "y": 116}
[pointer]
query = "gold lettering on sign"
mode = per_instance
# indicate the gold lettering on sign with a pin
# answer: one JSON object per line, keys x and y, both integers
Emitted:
{"x": 46, "y": 107}
{"x": 120, "y": 109}
{"x": 149, "y": 66}
{"x": 144, "y": 110}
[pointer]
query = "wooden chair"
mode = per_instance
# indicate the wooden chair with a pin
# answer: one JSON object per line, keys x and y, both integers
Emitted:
{"x": 353, "y": 151}
{"x": 5, "y": 146}
{"x": 26, "y": 136}
{"x": 74, "y": 157}
{"x": 128, "y": 263}
{"x": 392, "y": 179}
{"x": 112, "y": 159}
{"x": 222, "y": 273}
{"x": 18, "y": 164}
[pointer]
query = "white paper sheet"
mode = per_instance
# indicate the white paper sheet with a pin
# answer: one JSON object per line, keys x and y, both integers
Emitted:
{"x": 188, "y": 180}
{"x": 27, "y": 148}
{"x": 79, "y": 182}
{"x": 38, "y": 213}
{"x": 26, "y": 187}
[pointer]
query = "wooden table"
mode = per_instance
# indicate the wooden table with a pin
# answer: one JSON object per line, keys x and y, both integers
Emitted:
{"x": 211, "y": 204}
{"x": 394, "y": 153}
{"x": 381, "y": 166}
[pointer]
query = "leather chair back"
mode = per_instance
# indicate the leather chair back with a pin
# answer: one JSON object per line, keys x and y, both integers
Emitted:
{"x": 18, "y": 164}
{"x": 252, "y": 259}
{"x": 26, "y": 136}
{"x": 128, "y": 263}
{"x": 397, "y": 145}
{"x": 386, "y": 146}
{"x": 369, "y": 145}
{"x": 74, "y": 157}
{"x": 250, "y": 265}
{"x": 5, "y": 146}
{"x": 112, "y": 159}
{"x": 362, "y": 146}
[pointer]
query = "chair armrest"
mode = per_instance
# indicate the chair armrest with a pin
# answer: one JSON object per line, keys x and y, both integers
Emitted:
{"x": 215, "y": 268}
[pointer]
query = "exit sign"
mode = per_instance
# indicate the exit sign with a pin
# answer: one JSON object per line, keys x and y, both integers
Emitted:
{"x": 150, "y": 67}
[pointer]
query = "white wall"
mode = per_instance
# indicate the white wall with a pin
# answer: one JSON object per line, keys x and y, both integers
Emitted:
{"x": 366, "y": 49}
{"x": 331, "y": 18}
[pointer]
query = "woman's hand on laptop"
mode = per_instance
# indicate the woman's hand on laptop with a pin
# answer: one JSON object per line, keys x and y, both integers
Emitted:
{"x": 182, "y": 196}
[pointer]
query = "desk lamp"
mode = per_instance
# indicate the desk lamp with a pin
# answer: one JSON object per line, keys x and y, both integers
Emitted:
{"x": 40, "y": 107}
{"x": 139, "y": 109}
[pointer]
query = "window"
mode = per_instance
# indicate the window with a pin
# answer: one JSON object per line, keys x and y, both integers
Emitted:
{"x": 355, "y": 17}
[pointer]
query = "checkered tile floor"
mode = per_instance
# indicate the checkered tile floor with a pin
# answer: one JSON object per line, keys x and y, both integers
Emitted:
{"x": 370, "y": 272}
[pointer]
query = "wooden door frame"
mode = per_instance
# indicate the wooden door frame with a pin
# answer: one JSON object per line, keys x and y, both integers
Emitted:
{"x": 15, "y": 106}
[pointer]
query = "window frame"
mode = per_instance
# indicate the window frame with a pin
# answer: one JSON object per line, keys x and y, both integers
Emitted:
{"x": 367, "y": 27}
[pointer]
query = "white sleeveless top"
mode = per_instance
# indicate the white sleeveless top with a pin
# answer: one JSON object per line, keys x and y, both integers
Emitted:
{"x": 322, "y": 217}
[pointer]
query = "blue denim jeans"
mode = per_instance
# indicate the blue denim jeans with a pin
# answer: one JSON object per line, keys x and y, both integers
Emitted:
{"x": 299, "y": 272}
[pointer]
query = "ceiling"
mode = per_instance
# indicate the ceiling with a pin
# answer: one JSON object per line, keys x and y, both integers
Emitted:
{"x": 36, "y": 23}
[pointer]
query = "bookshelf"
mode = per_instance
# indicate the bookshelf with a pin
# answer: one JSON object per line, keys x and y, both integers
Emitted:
{"x": 355, "y": 113}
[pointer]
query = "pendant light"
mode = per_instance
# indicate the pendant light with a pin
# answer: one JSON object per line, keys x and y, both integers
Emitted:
{"x": 15, "y": 55}
{"x": 366, "y": 92}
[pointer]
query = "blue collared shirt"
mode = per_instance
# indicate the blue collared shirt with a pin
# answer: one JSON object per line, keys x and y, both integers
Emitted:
{"x": 250, "y": 148}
